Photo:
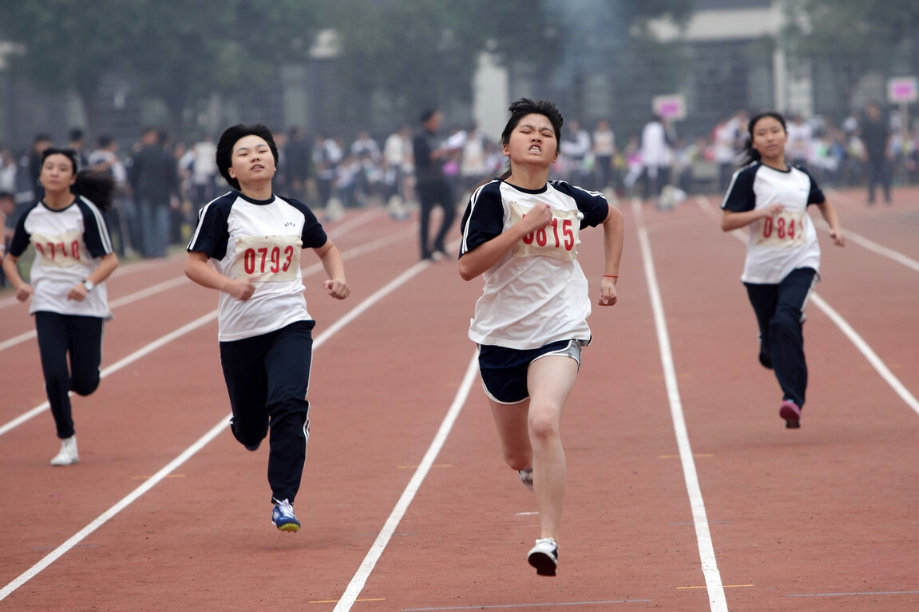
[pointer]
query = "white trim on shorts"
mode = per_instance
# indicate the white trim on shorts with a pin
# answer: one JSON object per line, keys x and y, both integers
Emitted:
{"x": 573, "y": 350}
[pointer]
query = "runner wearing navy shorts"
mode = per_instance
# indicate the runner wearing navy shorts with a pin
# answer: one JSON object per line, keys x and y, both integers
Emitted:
{"x": 247, "y": 245}
{"x": 783, "y": 255}
{"x": 520, "y": 232}
{"x": 73, "y": 257}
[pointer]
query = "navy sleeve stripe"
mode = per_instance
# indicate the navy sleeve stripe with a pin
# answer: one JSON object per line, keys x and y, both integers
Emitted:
{"x": 96, "y": 216}
{"x": 472, "y": 202}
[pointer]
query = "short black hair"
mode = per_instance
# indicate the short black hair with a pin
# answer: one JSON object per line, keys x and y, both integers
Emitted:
{"x": 96, "y": 187}
{"x": 428, "y": 113}
{"x": 230, "y": 137}
{"x": 523, "y": 107}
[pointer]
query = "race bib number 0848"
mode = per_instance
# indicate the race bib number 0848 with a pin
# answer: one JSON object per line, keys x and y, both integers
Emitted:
{"x": 785, "y": 229}
{"x": 558, "y": 240}
{"x": 268, "y": 258}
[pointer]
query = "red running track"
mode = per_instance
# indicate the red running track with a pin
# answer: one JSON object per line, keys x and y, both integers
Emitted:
{"x": 821, "y": 518}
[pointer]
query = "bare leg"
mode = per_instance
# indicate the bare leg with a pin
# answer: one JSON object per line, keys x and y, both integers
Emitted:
{"x": 549, "y": 380}
{"x": 511, "y": 421}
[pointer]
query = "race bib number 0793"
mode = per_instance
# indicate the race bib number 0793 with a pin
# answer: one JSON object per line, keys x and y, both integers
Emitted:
{"x": 558, "y": 240}
{"x": 268, "y": 258}
{"x": 785, "y": 229}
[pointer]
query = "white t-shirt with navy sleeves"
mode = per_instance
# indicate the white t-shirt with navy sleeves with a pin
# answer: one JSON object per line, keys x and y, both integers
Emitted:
{"x": 537, "y": 293}
{"x": 68, "y": 245}
{"x": 261, "y": 240}
{"x": 776, "y": 245}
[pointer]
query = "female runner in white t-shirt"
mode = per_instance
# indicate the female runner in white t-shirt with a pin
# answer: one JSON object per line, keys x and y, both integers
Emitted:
{"x": 521, "y": 232}
{"x": 783, "y": 256}
{"x": 247, "y": 245}
{"x": 73, "y": 256}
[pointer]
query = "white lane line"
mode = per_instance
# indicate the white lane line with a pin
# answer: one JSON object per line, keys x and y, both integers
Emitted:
{"x": 122, "y": 301}
{"x": 130, "y": 268}
{"x": 713, "y": 583}
{"x": 868, "y": 353}
{"x": 204, "y": 440}
{"x": 342, "y": 229}
{"x": 863, "y": 347}
{"x": 376, "y": 550}
{"x": 858, "y": 239}
{"x": 17, "y": 339}
{"x": 874, "y": 247}
{"x": 118, "y": 365}
{"x": 149, "y": 348}
{"x": 113, "y": 511}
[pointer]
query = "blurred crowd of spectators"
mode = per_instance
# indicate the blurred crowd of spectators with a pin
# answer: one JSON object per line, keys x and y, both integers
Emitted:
{"x": 163, "y": 183}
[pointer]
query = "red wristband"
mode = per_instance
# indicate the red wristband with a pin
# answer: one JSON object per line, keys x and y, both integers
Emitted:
{"x": 610, "y": 276}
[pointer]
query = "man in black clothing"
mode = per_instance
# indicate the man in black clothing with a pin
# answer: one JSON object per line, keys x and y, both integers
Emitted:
{"x": 876, "y": 138}
{"x": 154, "y": 180}
{"x": 431, "y": 184}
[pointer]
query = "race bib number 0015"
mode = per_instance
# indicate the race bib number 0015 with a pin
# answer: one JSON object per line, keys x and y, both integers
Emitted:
{"x": 63, "y": 250}
{"x": 785, "y": 229}
{"x": 268, "y": 258}
{"x": 558, "y": 240}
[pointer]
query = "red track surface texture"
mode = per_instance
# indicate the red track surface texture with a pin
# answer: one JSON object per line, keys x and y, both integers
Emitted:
{"x": 686, "y": 492}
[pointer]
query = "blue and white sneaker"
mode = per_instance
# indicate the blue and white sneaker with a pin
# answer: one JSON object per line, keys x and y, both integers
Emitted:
{"x": 544, "y": 557}
{"x": 282, "y": 516}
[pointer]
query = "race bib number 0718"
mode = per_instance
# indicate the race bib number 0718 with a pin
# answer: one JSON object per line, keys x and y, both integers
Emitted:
{"x": 785, "y": 229}
{"x": 268, "y": 258}
{"x": 558, "y": 240}
{"x": 63, "y": 250}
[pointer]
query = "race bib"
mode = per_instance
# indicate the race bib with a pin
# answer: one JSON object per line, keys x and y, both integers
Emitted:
{"x": 268, "y": 258}
{"x": 558, "y": 240}
{"x": 785, "y": 229}
{"x": 63, "y": 250}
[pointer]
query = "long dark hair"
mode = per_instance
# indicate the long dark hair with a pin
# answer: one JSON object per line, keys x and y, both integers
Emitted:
{"x": 523, "y": 107}
{"x": 230, "y": 137}
{"x": 96, "y": 187}
{"x": 749, "y": 153}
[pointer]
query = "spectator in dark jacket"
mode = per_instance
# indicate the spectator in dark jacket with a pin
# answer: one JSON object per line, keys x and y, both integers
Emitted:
{"x": 876, "y": 136}
{"x": 154, "y": 180}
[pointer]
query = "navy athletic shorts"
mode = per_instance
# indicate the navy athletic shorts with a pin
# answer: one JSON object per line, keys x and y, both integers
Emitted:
{"x": 504, "y": 370}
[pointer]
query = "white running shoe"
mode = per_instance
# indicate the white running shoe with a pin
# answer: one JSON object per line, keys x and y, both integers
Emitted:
{"x": 68, "y": 453}
{"x": 526, "y": 477}
{"x": 544, "y": 557}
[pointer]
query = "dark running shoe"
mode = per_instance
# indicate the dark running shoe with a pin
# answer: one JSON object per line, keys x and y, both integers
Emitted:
{"x": 544, "y": 557}
{"x": 791, "y": 413}
{"x": 282, "y": 516}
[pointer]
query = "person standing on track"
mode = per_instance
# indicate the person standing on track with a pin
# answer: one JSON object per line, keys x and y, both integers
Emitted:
{"x": 521, "y": 232}
{"x": 73, "y": 256}
{"x": 432, "y": 187}
{"x": 783, "y": 255}
{"x": 247, "y": 245}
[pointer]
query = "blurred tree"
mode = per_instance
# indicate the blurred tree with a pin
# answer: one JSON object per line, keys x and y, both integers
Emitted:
{"x": 180, "y": 51}
{"x": 65, "y": 45}
{"x": 420, "y": 53}
{"x": 175, "y": 50}
{"x": 852, "y": 37}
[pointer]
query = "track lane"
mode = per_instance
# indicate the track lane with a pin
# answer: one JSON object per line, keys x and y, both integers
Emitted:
{"x": 786, "y": 496}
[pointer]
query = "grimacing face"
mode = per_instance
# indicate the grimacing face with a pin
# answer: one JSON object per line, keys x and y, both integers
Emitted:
{"x": 532, "y": 141}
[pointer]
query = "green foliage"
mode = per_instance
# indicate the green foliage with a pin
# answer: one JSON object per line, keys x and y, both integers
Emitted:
{"x": 175, "y": 50}
{"x": 424, "y": 52}
{"x": 857, "y": 36}
{"x": 66, "y": 44}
